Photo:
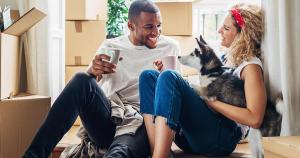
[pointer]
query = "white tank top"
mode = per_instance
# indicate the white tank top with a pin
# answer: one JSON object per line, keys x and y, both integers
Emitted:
{"x": 253, "y": 60}
{"x": 237, "y": 72}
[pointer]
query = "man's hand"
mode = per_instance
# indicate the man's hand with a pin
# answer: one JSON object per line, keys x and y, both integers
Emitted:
{"x": 100, "y": 66}
{"x": 158, "y": 65}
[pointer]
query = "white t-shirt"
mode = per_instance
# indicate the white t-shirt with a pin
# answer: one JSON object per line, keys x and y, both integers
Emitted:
{"x": 237, "y": 72}
{"x": 135, "y": 60}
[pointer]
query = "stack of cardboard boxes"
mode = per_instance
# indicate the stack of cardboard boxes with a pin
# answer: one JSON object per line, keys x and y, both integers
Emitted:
{"x": 177, "y": 24}
{"x": 21, "y": 114}
{"x": 85, "y": 31}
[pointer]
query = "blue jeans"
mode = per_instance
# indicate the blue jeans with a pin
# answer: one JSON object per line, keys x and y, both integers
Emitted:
{"x": 82, "y": 96}
{"x": 198, "y": 129}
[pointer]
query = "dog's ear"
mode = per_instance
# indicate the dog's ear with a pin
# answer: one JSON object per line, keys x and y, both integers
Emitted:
{"x": 202, "y": 40}
{"x": 201, "y": 44}
{"x": 197, "y": 52}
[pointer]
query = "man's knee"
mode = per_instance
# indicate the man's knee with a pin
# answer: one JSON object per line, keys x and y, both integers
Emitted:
{"x": 82, "y": 76}
{"x": 80, "y": 79}
{"x": 83, "y": 84}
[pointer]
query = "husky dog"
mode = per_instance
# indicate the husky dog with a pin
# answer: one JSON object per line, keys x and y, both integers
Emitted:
{"x": 218, "y": 82}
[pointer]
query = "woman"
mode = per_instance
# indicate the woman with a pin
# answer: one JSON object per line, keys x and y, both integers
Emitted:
{"x": 181, "y": 115}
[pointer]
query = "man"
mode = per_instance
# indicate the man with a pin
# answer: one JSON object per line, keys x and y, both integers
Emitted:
{"x": 109, "y": 111}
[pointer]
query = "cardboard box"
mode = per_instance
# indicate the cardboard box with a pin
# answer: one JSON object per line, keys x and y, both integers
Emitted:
{"x": 9, "y": 51}
{"x": 83, "y": 38}
{"x": 86, "y": 9}
{"x": 176, "y": 17}
{"x": 282, "y": 147}
{"x": 20, "y": 118}
{"x": 187, "y": 45}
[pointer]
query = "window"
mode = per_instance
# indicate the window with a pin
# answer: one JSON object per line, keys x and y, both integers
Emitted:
{"x": 208, "y": 22}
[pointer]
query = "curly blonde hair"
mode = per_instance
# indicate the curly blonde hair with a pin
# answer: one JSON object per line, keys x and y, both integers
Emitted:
{"x": 247, "y": 42}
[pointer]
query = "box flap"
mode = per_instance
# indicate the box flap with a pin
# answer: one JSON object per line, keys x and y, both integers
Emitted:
{"x": 9, "y": 65}
{"x": 25, "y": 22}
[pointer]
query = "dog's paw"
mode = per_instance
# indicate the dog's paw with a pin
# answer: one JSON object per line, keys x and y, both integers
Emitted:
{"x": 211, "y": 98}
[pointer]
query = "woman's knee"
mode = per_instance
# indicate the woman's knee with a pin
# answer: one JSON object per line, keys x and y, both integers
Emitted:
{"x": 168, "y": 76}
{"x": 148, "y": 75}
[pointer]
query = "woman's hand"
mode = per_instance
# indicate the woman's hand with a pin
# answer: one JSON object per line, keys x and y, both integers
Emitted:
{"x": 158, "y": 65}
{"x": 100, "y": 66}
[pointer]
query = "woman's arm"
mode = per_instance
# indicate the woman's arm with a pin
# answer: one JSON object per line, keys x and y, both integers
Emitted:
{"x": 256, "y": 99}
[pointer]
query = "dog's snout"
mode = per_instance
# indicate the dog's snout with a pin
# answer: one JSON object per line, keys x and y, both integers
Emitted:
{"x": 179, "y": 57}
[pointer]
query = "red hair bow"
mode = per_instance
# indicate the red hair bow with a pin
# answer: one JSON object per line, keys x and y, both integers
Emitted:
{"x": 238, "y": 17}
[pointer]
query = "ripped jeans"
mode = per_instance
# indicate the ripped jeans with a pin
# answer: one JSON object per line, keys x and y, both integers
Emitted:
{"x": 198, "y": 129}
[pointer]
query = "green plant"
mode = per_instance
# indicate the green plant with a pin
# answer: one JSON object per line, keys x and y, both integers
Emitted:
{"x": 117, "y": 17}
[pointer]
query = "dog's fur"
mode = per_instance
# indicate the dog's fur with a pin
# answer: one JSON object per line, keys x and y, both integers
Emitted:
{"x": 218, "y": 82}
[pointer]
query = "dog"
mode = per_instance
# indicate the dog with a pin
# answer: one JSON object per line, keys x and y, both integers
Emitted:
{"x": 218, "y": 83}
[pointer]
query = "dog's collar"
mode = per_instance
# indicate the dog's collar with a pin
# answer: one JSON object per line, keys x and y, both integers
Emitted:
{"x": 212, "y": 72}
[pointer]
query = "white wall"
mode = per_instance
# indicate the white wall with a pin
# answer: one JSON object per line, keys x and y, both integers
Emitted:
{"x": 11, "y": 3}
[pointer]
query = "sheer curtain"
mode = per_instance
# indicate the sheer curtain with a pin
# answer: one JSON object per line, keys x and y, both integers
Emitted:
{"x": 35, "y": 45}
{"x": 282, "y": 55}
{"x": 44, "y": 48}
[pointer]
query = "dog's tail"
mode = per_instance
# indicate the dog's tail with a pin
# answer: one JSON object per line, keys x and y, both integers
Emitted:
{"x": 271, "y": 125}
{"x": 279, "y": 104}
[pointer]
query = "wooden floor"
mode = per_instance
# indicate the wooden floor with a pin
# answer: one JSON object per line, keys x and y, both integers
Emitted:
{"x": 242, "y": 150}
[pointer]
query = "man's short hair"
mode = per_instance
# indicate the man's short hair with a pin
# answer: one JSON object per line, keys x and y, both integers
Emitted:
{"x": 139, "y": 6}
